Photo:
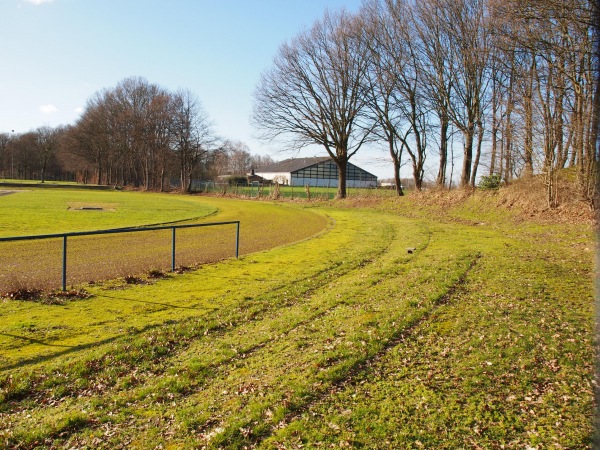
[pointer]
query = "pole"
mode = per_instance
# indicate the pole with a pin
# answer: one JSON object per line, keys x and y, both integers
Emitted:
{"x": 237, "y": 241}
{"x": 64, "y": 264}
{"x": 173, "y": 251}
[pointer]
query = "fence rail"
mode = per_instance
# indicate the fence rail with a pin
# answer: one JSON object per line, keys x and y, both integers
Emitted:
{"x": 65, "y": 237}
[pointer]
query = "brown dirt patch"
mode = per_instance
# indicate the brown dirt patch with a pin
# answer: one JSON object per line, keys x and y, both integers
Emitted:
{"x": 83, "y": 206}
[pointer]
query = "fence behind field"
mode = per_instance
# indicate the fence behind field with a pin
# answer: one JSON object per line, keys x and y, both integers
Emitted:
{"x": 267, "y": 190}
{"x": 23, "y": 260}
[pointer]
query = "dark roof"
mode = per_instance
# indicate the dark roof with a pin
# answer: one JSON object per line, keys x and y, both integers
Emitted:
{"x": 291, "y": 165}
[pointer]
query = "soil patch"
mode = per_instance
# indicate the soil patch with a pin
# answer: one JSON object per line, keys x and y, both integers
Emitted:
{"x": 82, "y": 206}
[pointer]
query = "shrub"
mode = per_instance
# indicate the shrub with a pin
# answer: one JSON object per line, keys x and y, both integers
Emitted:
{"x": 490, "y": 182}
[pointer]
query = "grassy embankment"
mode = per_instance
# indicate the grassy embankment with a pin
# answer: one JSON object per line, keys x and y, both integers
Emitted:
{"x": 479, "y": 338}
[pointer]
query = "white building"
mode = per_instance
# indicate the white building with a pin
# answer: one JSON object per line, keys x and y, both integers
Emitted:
{"x": 320, "y": 171}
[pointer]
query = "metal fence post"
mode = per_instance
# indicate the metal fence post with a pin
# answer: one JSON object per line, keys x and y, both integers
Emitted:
{"x": 237, "y": 241}
{"x": 64, "y": 264}
{"x": 173, "y": 252}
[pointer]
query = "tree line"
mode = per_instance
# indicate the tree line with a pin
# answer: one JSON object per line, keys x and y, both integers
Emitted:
{"x": 135, "y": 134}
{"x": 515, "y": 82}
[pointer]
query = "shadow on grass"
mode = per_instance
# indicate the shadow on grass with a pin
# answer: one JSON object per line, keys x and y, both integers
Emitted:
{"x": 167, "y": 305}
{"x": 76, "y": 348}
{"x": 34, "y": 341}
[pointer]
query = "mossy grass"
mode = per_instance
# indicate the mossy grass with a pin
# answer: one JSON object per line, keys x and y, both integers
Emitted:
{"x": 478, "y": 338}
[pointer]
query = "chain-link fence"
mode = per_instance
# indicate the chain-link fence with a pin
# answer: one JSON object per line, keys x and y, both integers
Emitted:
{"x": 271, "y": 190}
{"x": 53, "y": 260}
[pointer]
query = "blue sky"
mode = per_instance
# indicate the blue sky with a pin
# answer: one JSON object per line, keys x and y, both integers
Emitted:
{"x": 57, "y": 53}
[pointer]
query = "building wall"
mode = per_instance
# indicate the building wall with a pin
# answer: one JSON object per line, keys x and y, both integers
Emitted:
{"x": 316, "y": 182}
{"x": 324, "y": 174}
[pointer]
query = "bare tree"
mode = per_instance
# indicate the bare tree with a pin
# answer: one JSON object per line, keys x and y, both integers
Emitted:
{"x": 239, "y": 159}
{"x": 26, "y": 162}
{"x": 558, "y": 84}
{"x": 383, "y": 83}
{"x": 159, "y": 127}
{"x": 464, "y": 25}
{"x": 192, "y": 135}
{"x": 46, "y": 145}
{"x": 137, "y": 133}
{"x": 409, "y": 70}
{"x": 5, "y": 139}
{"x": 258, "y": 161}
{"x": 315, "y": 91}
{"x": 436, "y": 54}
{"x": 133, "y": 109}
{"x": 92, "y": 139}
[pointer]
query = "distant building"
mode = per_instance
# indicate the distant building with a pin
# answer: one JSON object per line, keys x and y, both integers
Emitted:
{"x": 241, "y": 179}
{"x": 320, "y": 171}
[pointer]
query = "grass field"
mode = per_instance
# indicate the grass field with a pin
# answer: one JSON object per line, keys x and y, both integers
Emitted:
{"x": 480, "y": 337}
{"x": 38, "y": 264}
{"x": 36, "y": 211}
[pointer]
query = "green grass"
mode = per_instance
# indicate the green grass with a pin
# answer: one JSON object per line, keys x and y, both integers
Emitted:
{"x": 480, "y": 338}
{"x": 45, "y": 211}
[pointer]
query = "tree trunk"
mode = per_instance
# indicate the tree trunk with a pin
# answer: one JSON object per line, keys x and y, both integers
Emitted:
{"x": 477, "y": 153}
{"x": 43, "y": 172}
{"x": 528, "y": 106}
{"x": 162, "y": 180}
{"x": 397, "y": 163}
{"x": 418, "y": 177}
{"x": 467, "y": 156}
{"x": 495, "y": 126}
{"x": 342, "y": 164}
{"x": 441, "y": 177}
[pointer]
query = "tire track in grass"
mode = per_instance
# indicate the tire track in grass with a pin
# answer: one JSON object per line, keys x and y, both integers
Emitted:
{"x": 361, "y": 371}
{"x": 312, "y": 377}
{"x": 232, "y": 429}
{"x": 326, "y": 276}
{"x": 343, "y": 303}
{"x": 242, "y": 356}
{"x": 195, "y": 415}
{"x": 492, "y": 367}
{"x": 341, "y": 300}
{"x": 220, "y": 324}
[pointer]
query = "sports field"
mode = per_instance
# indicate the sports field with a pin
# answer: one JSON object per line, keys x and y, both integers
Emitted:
{"x": 38, "y": 264}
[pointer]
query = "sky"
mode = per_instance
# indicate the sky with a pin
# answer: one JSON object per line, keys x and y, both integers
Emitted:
{"x": 56, "y": 54}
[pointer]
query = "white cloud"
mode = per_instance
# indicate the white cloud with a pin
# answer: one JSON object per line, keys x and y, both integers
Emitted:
{"x": 38, "y": 2}
{"x": 48, "y": 109}
{"x": 78, "y": 110}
